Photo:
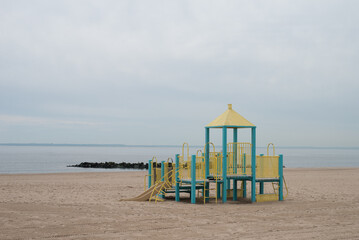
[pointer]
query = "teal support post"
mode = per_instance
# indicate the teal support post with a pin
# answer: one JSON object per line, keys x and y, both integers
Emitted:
{"x": 193, "y": 179}
{"x": 162, "y": 170}
{"x": 149, "y": 173}
{"x": 218, "y": 190}
{"x": 162, "y": 175}
{"x": 253, "y": 161}
{"x": 177, "y": 190}
{"x": 206, "y": 163}
{"x": 261, "y": 184}
{"x": 235, "y": 190}
{"x": 224, "y": 164}
{"x": 244, "y": 188}
{"x": 235, "y": 150}
{"x": 206, "y": 157}
{"x": 280, "y": 171}
{"x": 204, "y": 192}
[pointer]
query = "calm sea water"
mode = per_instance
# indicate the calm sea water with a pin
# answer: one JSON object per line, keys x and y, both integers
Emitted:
{"x": 52, "y": 159}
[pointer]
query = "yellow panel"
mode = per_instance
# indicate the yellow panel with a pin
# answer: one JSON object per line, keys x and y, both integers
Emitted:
{"x": 267, "y": 167}
{"x": 158, "y": 174}
{"x": 230, "y": 193}
{"x": 200, "y": 168}
{"x": 230, "y": 118}
{"x": 215, "y": 164}
{"x": 267, "y": 197}
{"x": 168, "y": 175}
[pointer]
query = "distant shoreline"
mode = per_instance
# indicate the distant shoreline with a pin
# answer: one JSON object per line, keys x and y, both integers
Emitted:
{"x": 130, "y": 145}
{"x": 82, "y": 145}
{"x": 111, "y": 171}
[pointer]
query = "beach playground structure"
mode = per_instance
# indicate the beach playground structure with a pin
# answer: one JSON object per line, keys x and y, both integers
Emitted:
{"x": 213, "y": 176}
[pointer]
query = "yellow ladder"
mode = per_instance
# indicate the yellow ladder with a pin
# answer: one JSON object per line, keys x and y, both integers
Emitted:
{"x": 210, "y": 197}
{"x": 275, "y": 186}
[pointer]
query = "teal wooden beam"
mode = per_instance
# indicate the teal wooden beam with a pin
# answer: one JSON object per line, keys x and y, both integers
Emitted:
{"x": 253, "y": 162}
{"x": 280, "y": 171}
{"x": 235, "y": 135}
{"x": 231, "y": 126}
{"x": 235, "y": 189}
{"x": 193, "y": 179}
{"x": 177, "y": 188}
{"x": 162, "y": 170}
{"x": 206, "y": 157}
{"x": 162, "y": 175}
{"x": 206, "y": 162}
{"x": 224, "y": 164}
{"x": 219, "y": 190}
{"x": 244, "y": 188}
{"x": 149, "y": 173}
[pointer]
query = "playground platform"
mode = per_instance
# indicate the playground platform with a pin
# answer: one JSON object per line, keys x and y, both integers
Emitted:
{"x": 235, "y": 171}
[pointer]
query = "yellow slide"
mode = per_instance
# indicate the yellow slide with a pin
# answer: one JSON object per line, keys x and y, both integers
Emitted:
{"x": 152, "y": 191}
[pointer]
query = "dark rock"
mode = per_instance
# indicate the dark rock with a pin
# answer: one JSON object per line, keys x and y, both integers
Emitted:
{"x": 139, "y": 165}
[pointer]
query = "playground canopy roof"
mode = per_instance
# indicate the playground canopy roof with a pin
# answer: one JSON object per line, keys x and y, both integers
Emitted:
{"x": 230, "y": 119}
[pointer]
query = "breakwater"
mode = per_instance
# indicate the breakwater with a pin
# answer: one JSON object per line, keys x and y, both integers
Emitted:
{"x": 124, "y": 165}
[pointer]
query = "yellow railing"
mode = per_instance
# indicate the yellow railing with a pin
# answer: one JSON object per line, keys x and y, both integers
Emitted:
{"x": 188, "y": 156}
{"x": 157, "y": 172}
{"x": 215, "y": 161}
{"x": 239, "y": 158}
{"x": 169, "y": 166}
{"x": 270, "y": 144}
{"x": 185, "y": 169}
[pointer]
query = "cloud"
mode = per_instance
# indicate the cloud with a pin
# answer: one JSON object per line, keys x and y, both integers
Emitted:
{"x": 145, "y": 63}
{"x": 24, "y": 120}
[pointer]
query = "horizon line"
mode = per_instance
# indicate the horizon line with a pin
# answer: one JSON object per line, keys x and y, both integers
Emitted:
{"x": 154, "y": 145}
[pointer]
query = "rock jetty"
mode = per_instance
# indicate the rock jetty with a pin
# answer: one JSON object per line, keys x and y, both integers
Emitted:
{"x": 139, "y": 165}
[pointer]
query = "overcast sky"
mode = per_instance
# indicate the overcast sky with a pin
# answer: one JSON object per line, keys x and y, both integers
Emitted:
{"x": 156, "y": 72}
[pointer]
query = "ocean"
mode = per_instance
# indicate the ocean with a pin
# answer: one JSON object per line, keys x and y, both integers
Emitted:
{"x": 55, "y": 159}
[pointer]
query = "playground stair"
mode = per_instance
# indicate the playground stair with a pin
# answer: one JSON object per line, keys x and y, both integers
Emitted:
{"x": 276, "y": 188}
{"x": 204, "y": 190}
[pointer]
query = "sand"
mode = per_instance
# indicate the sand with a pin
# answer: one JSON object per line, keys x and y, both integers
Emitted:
{"x": 322, "y": 204}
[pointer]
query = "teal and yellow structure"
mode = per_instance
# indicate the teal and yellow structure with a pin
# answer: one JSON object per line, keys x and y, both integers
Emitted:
{"x": 234, "y": 173}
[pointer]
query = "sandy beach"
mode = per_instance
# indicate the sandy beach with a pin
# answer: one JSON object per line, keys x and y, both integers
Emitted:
{"x": 322, "y": 204}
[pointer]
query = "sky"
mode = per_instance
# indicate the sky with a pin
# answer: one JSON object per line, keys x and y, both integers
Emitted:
{"x": 156, "y": 72}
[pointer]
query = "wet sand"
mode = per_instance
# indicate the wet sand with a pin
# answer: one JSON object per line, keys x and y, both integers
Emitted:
{"x": 322, "y": 204}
